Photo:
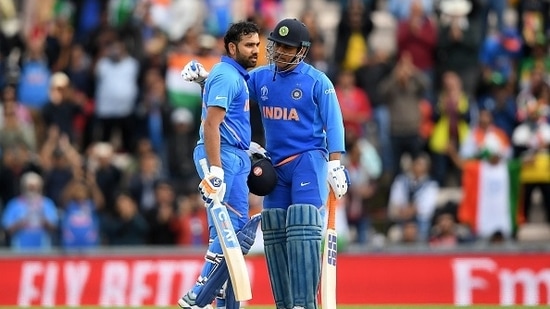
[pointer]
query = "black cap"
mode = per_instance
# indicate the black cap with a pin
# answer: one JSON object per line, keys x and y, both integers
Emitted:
{"x": 263, "y": 177}
{"x": 291, "y": 32}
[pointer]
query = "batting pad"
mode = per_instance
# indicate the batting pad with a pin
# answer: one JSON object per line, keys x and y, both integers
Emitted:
{"x": 274, "y": 233}
{"x": 304, "y": 233}
{"x": 218, "y": 273}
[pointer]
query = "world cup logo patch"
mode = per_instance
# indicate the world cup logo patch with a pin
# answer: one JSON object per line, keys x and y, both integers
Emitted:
{"x": 296, "y": 94}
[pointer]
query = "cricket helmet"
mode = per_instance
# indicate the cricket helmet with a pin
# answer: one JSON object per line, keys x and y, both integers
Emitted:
{"x": 263, "y": 177}
{"x": 291, "y": 32}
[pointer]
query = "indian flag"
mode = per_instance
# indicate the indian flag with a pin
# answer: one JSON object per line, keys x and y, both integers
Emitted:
{"x": 490, "y": 200}
{"x": 180, "y": 92}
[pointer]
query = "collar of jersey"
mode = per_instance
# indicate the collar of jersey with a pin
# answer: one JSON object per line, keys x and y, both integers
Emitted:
{"x": 237, "y": 66}
{"x": 297, "y": 68}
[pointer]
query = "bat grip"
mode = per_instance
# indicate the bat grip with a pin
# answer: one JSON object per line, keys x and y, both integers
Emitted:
{"x": 331, "y": 224}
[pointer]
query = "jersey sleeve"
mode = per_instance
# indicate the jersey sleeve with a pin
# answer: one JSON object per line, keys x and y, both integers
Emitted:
{"x": 331, "y": 114}
{"x": 219, "y": 91}
{"x": 251, "y": 89}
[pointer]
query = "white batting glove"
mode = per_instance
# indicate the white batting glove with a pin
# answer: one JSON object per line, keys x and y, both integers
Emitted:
{"x": 212, "y": 186}
{"x": 194, "y": 71}
{"x": 337, "y": 178}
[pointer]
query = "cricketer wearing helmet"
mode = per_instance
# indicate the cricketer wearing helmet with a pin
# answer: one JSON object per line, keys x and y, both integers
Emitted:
{"x": 304, "y": 135}
{"x": 224, "y": 138}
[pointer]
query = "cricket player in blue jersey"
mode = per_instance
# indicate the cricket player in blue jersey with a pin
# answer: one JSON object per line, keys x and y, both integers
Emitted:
{"x": 224, "y": 138}
{"x": 304, "y": 135}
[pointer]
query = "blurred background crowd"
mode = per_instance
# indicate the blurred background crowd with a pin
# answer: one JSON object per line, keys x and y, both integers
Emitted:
{"x": 445, "y": 102}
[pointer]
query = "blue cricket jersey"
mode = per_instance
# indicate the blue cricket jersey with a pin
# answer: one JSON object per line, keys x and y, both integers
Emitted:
{"x": 300, "y": 111}
{"x": 226, "y": 87}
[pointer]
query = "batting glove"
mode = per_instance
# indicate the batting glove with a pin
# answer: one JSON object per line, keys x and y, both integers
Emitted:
{"x": 193, "y": 71}
{"x": 212, "y": 186}
{"x": 337, "y": 178}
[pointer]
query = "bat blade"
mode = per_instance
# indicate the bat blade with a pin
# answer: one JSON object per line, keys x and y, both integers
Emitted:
{"x": 328, "y": 276}
{"x": 231, "y": 248}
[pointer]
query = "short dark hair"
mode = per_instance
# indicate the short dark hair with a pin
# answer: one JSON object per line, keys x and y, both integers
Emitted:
{"x": 237, "y": 30}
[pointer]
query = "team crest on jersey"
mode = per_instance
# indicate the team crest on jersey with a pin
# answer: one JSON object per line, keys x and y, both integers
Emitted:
{"x": 296, "y": 94}
{"x": 263, "y": 93}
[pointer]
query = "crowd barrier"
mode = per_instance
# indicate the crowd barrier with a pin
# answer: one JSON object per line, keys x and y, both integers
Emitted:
{"x": 130, "y": 279}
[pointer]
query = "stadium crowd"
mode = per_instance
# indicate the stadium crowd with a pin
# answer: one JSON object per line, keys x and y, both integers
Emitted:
{"x": 97, "y": 127}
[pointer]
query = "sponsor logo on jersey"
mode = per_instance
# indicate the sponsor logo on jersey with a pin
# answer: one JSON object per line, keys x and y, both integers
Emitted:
{"x": 329, "y": 91}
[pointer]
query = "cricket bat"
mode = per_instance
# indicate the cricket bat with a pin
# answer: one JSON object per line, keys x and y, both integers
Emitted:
{"x": 328, "y": 277}
{"x": 230, "y": 246}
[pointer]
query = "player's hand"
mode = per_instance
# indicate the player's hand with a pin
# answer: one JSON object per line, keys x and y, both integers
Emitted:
{"x": 194, "y": 71}
{"x": 255, "y": 150}
{"x": 212, "y": 186}
{"x": 337, "y": 178}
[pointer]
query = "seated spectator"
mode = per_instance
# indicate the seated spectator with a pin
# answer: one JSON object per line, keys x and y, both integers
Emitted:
{"x": 413, "y": 196}
{"x": 80, "y": 227}
{"x": 498, "y": 56}
{"x": 30, "y": 218}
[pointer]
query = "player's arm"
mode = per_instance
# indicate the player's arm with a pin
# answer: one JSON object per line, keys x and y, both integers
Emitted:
{"x": 212, "y": 138}
{"x": 331, "y": 116}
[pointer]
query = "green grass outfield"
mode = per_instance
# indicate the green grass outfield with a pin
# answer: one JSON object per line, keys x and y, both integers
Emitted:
{"x": 339, "y": 307}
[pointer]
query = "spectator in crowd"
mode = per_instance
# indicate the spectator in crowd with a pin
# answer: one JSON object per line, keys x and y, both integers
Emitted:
{"x": 538, "y": 89}
{"x": 537, "y": 59}
{"x": 61, "y": 109}
{"x": 190, "y": 222}
{"x": 359, "y": 160}
{"x": 80, "y": 226}
{"x": 16, "y": 161}
{"x": 354, "y": 103}
{"x": 60, "y": 163}
{"x": 403, "y": 91}
{"x": 30, "y": 218}
{"x": 142, "y": 182}
{"x": 352, "y": 33}
{"x": 458, "y": 42}
{"x": 500, "y": 101}
{"x": 452, "y": 124}
{"x": 116, "y": 76}
{"x": 161, "y": 215}
{"x": 179, "y": 151}
{"x": 108, "y": 176}
{"x": 474, "y": 143}
{"x": 9, "y": 97}
{"x": 531, "y": 140}
{"x": 403, "y": 9}
{"x": 417, "y": 36}
{"x": 413, "y": 197}
{"x": 498, "y": 8}
{"x": 499, "y": 55}
{"x": 376, "y": 67}
{"x": 14, "y": 130}
{"x": 128, "y": 227}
